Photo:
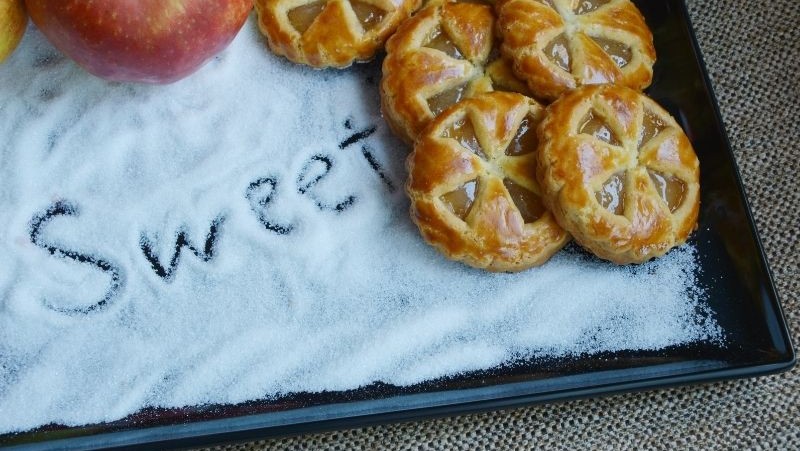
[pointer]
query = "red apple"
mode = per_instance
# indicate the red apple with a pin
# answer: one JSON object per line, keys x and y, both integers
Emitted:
{"x": 151, "y": 41}
{"x": 13, "y": 21}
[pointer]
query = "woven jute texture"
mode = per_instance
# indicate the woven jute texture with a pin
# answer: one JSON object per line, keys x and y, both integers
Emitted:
{"x": 752, "y": 51}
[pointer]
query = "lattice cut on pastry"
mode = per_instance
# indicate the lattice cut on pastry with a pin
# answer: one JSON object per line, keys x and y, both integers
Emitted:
{"x": 525, "y": 141}
{"x": 330, "y": 33}
{"x": 557, "y": 45}
{"x": 586, "y": 6}
{"x": 460, "y": 200}
{"x": 440, "y": 101}
{"x": 443, "y": 54}
{"x": 474, "y": 195}
{"x": 626, "y": 199}
{"x": 438, "y": 39}
{"x": 463, "y": 132}
{"x": 610, "y": 195}
{"x": 595, "y": 125}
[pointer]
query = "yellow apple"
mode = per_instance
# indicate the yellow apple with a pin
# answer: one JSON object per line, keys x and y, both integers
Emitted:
{"x": 13, "y": 21}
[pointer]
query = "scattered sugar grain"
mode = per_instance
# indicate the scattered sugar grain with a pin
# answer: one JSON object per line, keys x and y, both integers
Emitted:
{"x": 345, "y": 299}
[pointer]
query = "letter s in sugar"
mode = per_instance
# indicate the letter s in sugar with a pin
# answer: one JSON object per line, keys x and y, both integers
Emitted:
{"x": 64, "y": 208}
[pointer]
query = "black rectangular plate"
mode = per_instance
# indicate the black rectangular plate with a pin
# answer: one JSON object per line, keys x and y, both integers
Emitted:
{"x": 734, "y": 273}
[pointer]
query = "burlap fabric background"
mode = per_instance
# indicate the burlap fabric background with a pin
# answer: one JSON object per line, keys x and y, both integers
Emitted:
{"x": 752, "y": 50}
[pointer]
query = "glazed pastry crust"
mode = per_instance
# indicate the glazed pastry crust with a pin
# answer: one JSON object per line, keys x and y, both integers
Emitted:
{"x": 413, "y": 73}
{"x": 530, "y": 27}
{"x": 493, "y": 234}
{"x": 336, "y": 37}
{"x": 574, "y": 166}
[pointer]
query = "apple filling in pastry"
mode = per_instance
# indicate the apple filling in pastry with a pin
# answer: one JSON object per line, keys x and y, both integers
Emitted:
{"x": 672, "y": 189}
{"x": 303, "y": 16}
{"x": 610, "y": 195}
{"x": 525, "y": 141}
{"x": 557, "y": 45}
{"x": 460, "y": 200}
{"x": 369, "y": 16}
{"x": 594, "y": 126}
{"x": 443, "y": 54}
{"x": 474, "y": 195}
{"x": 619, "y": 52}
{"x": 464, "y": 133}
{"x": 618, "y": 173}
{"x": 587, "y": 6}
{"x": 439, "y": 40}
{"x": 330, "y": 33}
{"x": 445, "y": 99}
{"x": 558, "y": 52}
{"x": 527, "y": 202}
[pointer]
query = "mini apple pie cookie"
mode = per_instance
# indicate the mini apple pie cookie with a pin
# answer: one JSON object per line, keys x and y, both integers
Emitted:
{"x": 558, "y": 45}
{"x": 472, "y": 186}
{"x": 435, "y": 59}
{"x": 618, "y": 173}
{"x": 330, "y": 33}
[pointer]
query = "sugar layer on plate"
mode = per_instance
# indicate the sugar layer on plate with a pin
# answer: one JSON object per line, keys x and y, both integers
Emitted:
{"x": 243, "y": 234}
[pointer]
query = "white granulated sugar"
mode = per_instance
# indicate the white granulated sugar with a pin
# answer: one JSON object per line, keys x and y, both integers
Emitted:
{"x": 299, "y": 271}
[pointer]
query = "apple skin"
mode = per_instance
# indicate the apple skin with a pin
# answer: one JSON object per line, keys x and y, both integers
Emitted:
{"x": 13, "y": 21}
{"x": 145, "y": 41}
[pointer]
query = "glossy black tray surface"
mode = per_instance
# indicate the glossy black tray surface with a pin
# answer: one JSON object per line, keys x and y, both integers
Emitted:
{"x": 734, "y": 273}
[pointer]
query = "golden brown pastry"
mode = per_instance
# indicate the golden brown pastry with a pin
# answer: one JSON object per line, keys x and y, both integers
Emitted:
{"x": 618, "y": 173}
{"x": 436, "y": 58}
{"x": 330, "y": 33}
{"x": 472, "y": 186}
{"x": 556, "y": 45}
